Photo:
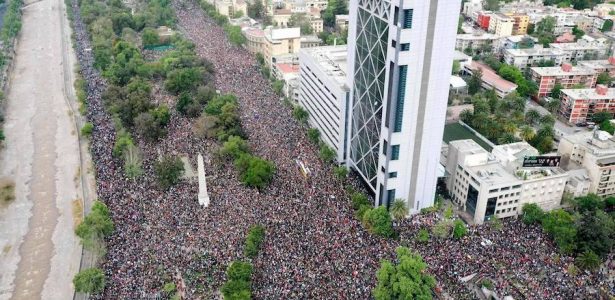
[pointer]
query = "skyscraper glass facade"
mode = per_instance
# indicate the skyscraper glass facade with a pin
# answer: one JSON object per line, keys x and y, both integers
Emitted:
{"x": 369, "y": 77}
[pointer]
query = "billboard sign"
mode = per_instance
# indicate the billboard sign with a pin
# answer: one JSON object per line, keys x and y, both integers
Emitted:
{"x": 541, "y": 161}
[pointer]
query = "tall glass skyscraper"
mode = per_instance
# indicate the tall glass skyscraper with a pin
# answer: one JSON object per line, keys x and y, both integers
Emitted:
{"x": 400, "y": 58}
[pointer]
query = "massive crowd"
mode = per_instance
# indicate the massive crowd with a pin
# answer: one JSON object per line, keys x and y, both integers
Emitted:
{"x": 314, "y": 247}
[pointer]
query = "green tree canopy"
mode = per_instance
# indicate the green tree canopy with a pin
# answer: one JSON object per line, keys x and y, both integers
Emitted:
{"x": 89, "y": 281}
{"x": 378, "y": 221}
{"x": 406, "y": 280}
{"x": 168, "y": 171}
{"x": 532, "y": 213}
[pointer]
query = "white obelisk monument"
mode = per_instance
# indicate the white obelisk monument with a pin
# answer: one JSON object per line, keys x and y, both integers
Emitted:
{"x": 203, "y": 196}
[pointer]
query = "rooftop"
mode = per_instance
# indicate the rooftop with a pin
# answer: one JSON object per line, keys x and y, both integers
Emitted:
{"x": 599, "y": 143}
{"x": 492, "y": 78}
{"x": 474, "y": 36}
{"x": 534, "y": 51}
{"x": 579, "y": 46}
{"x": 288, "y": 68}
{"x": 559, "y": 71}
{"x": 282, "y": 33}
{"x": 332, "y": 60}
{"x": 590, "y": 94}
{"x": 597, "y": 64}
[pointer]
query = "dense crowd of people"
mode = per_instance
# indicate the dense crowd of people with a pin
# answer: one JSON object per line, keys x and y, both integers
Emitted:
{"x": 314, "y": 246}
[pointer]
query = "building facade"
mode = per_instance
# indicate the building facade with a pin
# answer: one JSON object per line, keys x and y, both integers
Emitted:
{"x": 501, "y": 25}
{"x": 526, "y": 58}
{"x": 520, "y": 23}
{"x": 595, "y": 152}
{"x": 566, "y": 75}
{"x": 400, "y": 58}
{"x": 600, "y": 66}
{"x": 325, "y": 95}
{"x": 495, "y": 185}
{"x": 475, "y": 42}
{"x": 579, "y": 105}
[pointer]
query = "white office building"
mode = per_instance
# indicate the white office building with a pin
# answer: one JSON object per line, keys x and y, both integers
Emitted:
{"x": 324, "y": 94}
{"x": 495, "y": 185}
{"x": 399, "y": 64}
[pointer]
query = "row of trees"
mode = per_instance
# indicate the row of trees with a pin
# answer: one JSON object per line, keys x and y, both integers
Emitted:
{"x": 92, "y": 230}
{"x": 255, "y": 238}
{"x": 238, "y": 284}
{"x": 586, "y": 231}
{"x": 232, "y": 31}
{"x": 504, "y": 121}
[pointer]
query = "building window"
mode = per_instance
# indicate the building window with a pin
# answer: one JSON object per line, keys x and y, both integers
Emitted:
{"x": 394, "y": 44}
{"x": 395, "y": 152}
{"x": 401, "y": 94}
{"x": 390, "y": 197}
{"x": 396, "y": 16}
{"x": 405, "y": 47}
{"x": 408, "y": 18}
{"x": 385, "y": 147}
{"x": 393, "y": 175}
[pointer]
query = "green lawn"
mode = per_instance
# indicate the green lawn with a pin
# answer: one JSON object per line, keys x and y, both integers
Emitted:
{"x": 456, "y": 131}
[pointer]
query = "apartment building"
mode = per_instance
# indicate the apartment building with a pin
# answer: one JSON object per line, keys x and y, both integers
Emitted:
{"x": 566, "y": 75}
{"x": 495, "y": 185}
{"x": 490, "y": 80}
{"x": 324, "y": 94}
{"x": 526, "y": 58}
{"x": 594, "y": 152}
{"x": 584, "y": 49}
{"x": 341, "y": 21}
{"x": 501, "y": 25}
{"x": 483, "y": 19}
{"x": 600, "y": 66}
{"x": 475, "y": 41}
{"x": 579, "y": 105}
{"x": 520, "y": 23}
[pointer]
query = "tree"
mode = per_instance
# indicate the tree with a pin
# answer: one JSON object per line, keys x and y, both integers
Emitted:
{"x": 334, "y": 7}
{"x": 527, "y": 133}
{"x": 302, "y": 21}
{"x": 588, "y": 260}
{"x": 340, "y": 172}
{"x": 358, "y": 200}
{"x": 378, "y": 221}
{"x": 256, "y": 10}
{"x": 168, "y": 171}
{"x": 492, "y": 5}
{"x": 608, "y": 25}
{"x": 326, "y": 153}
{"x": 560, "y": 225}
{"x": 547, "y": 120}
{"x": 278, "y": 86}
{"x": 89, "y": 281}
{"x": 234, "y": 147}
{"x": 234, "y": 35}
{"x": 532, "y": 213}
{"x": 398, "y": 209}
{"x": 422, "y": 236}
{"x": 255, "y": 237}
{"x": 602, "y": 116}
{"x": 604, "y": 78}
{"x": 595, "y": 232}
{"x": 475, "y": 81}
{"x": 459, "y": 229}
{"x": 406, "y": 280}
{"x": 553, "y": 105}
{"x": 238, "y": 277}
{"x": 150, "y": 37}
{"x": 442, "y": 229}
{"x": 132, "y": 162}
{"x": 254, "y": 171}
{"x": 147, "y": 126}
{"x": 607, "y": 126}
{"x": 95, "y": 226}
{"x": 588, "y": 203}
{"x": 87, "y": 129}
{"x": 557, "y": 88}
{"x": 300, "y": 114}
{"x": 578, "y": 33}
{"x": 314, "y": 135}
{"x": 183, "y": 80}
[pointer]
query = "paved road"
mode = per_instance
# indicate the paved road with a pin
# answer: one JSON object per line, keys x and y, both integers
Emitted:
{"x": 560, "y": 127}
{"x": 40, "y": 253}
